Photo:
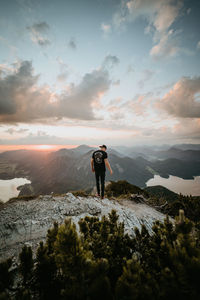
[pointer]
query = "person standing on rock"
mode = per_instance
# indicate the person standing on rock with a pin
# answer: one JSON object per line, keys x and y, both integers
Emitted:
{"x": 99, "y": 162}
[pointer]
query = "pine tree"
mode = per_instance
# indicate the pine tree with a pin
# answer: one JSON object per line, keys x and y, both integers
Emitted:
{"x": 46, "y": 282}
{"x": 73, "y": 261}
{"x": 51, "y": 237}
{"x": 103, "y": 262}
{"x": 26, "y": 263}
{"x": 6, "y": 278}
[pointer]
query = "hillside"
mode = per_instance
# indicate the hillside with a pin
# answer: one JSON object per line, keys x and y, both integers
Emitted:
{"x": 92, "y": 252}
{"x": 78, "y": 246}
{"x": 69, "y": 169}
{"x": 160, "y": 191}
{"x": 27, "y": 221}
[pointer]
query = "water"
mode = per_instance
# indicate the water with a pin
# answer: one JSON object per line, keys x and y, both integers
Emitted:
{"x": 177, "y": 184}
{"x": 8, "y": 188}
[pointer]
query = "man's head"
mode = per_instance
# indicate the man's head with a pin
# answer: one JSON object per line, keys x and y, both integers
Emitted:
{"x": 103, "y": 147}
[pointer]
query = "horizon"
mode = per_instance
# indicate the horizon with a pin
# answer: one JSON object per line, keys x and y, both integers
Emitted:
{"x": 54, "y": 147}
{"x": 84, "y": 72}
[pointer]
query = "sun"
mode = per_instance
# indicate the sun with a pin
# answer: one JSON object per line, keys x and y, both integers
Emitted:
{"x": 44, "y": 147}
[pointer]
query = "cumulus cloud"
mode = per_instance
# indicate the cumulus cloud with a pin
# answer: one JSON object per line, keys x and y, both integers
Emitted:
{"x": 183, "y": 99}
{"x": 4, "y": 68}
{"x": 38, "y": 33}
{"x": 80, "y": 102}
{"x": 160, "y": 15}
{"x": 128, "y": 110}
{"x": 188, "y": 129}
{"x": 23, "y": 100}
{"x": 139, "y": 105}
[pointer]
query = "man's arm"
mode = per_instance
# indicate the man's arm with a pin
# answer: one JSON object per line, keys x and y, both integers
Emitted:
{"x": 108, "y": 165}
{"x": 92, "y": 164}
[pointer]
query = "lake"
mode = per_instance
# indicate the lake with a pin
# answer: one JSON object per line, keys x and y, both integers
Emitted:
{"x": 177, "y": 184}
{"x": 8, "y": 188}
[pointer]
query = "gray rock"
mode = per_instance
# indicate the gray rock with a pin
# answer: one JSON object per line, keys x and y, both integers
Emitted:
{"x": 26, "y": 222}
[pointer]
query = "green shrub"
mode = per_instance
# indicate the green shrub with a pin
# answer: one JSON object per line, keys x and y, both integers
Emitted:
{"x": 101, "y": 261}
{"x": 123, "y": 187}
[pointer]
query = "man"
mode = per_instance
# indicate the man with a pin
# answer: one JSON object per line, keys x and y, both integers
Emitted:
{"x": 99, "y": 162}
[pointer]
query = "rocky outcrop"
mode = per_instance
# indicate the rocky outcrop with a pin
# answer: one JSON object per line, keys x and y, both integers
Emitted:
{"x": 27, "y": 222}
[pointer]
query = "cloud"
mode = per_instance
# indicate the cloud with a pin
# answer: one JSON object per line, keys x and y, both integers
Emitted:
{"x": 139, "y": 105}
{"x": 146, "y": 76}
{"x": 4, "y": 68}
{"x": 64, "y": 70}
{"x": 166, "y": 47}
{"x": 41, "y": 137}
{"x": 130, "y": 109}
{"x": 72, "y": 44}
{"x": 62, "y": 77}
{"x": 13, "y": 85}
{"x": 14, "y": 131}
{"x": 160, "y": 15}
{"x": 79, "y": 104}
{"x": 184, "y": 131}
{"x": 38, "y": 33}
{"x": 110, "y": 61}
{"x": 183, "y": 99}
{"x": 188, "y": 129}
{"x": 198, "y": 45}
{"x": 22, "y": 100}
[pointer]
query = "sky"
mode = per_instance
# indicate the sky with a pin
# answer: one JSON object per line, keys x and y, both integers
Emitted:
{"x": 115, "y": 72}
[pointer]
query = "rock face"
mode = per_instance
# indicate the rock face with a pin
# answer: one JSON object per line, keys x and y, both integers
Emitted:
{"x": 28, "y": 221}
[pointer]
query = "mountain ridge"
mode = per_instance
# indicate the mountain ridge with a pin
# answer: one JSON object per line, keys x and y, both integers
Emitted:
{"x": 26, "y": 221}
{"x": 69, "y": 169}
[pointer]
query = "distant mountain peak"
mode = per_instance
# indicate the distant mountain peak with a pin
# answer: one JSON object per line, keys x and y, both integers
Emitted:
{"x": 82, "y": 147}
{"x": 174, "y": 149}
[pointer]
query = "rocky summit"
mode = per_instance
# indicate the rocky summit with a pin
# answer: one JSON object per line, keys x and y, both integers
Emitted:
{"x": 26, "y": 222}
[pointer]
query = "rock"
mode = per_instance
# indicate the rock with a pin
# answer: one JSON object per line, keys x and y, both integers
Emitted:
{"x": 137, "y": 198}
{"x": 25, "y": 189}
{"x": 26, "y": 222}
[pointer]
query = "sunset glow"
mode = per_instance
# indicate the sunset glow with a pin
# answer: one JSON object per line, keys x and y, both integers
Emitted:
{"x": 35, "y": 147}
{"x": 45, "y": 147}
{"x": 123, "y": 72}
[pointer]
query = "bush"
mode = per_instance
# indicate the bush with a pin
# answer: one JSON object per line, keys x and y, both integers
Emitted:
{"x": 103, "y": 262}
{"x": 81, "y": 193}
{"x": 123, "y": 187}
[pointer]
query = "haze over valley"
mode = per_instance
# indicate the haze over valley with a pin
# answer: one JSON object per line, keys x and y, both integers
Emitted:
{"x": 69, "y": 169}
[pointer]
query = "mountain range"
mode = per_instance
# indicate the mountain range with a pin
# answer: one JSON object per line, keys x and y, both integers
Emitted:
{"x": 69, "y": 169}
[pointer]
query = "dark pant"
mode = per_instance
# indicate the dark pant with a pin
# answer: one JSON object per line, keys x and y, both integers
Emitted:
{"x": 101, "y": 175}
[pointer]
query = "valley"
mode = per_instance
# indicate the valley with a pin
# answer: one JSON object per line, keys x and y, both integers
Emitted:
{"x": 69, "y": 169}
